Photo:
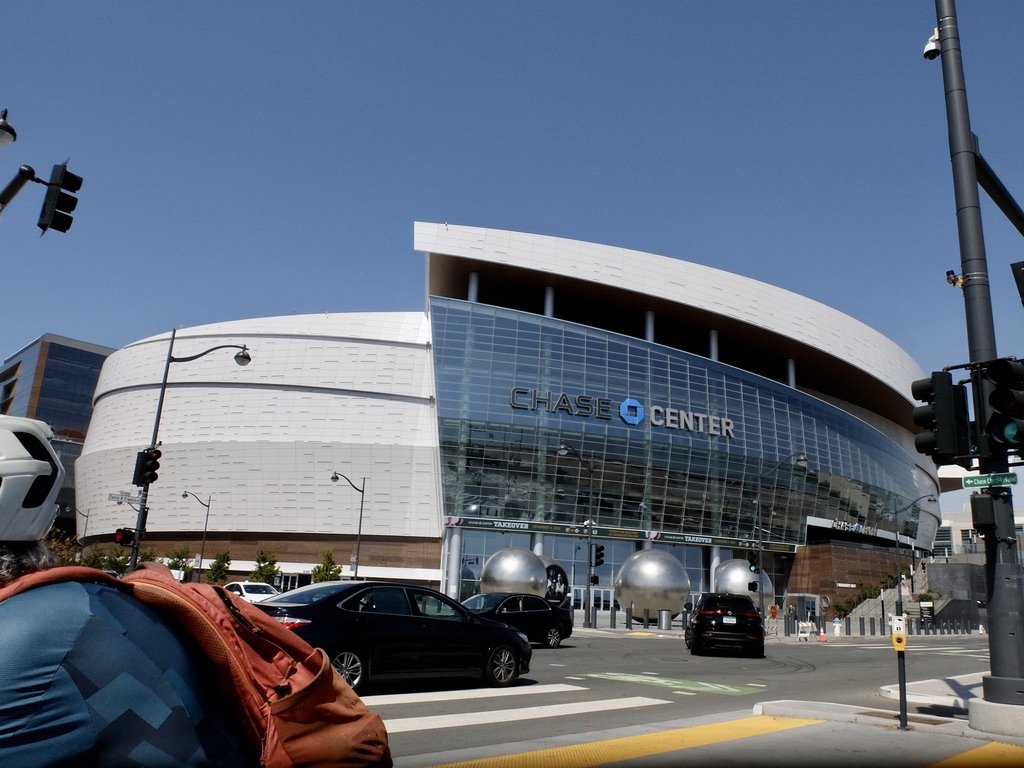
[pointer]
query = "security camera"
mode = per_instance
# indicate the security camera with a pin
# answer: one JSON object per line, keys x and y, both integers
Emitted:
{"x": 931, "y": 48}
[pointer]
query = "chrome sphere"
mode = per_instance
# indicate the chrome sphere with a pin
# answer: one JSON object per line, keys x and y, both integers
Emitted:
{"x": 514, "y": 570}
{"x": 735, "y": 576}
{"x": 652, "y": 580}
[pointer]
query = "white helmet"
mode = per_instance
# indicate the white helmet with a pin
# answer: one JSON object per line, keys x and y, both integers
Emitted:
{"x": 31, "y": 476}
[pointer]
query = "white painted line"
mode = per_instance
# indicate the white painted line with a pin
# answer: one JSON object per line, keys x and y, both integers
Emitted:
{"x": 405, "y": 724}
{"x": 473, "y": 693}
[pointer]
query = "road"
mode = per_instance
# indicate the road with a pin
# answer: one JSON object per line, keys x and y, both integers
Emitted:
{"x": 602, "y": 683}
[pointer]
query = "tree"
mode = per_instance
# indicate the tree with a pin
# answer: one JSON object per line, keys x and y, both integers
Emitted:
{"x": 181, "y": 560}
{"x": 217, "y": 573}
{"x": 63, "y": 546}
{"x": 266, "y": 569}
{"x": 327, "y": 570}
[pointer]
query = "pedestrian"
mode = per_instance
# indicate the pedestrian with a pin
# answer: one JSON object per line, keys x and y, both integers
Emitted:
{"x": 90, "y": 676}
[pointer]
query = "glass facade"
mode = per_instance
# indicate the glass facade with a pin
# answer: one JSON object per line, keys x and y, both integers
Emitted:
{"x": 545, "y": 424}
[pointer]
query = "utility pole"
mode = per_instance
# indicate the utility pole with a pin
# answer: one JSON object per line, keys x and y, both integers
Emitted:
{"x": 993, "y": 510}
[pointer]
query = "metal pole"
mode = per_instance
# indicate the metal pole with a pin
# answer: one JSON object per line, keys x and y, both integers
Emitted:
{"x": 587, "y": 623}
{"x": 359, "y": 529}
{"x": 140, "y": 520}
{"x": 1005, "y": 684}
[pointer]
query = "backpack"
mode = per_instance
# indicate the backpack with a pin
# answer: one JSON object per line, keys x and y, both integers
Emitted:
{"x": 295, "y": 707}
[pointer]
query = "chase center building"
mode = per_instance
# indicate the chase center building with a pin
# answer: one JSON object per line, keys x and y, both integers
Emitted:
{"x": 550, "y": 383}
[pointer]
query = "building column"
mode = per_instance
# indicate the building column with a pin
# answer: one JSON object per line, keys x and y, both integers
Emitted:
{"x": 537, "y": 544}
{"x": 453, "y": 564}
{"x": 649, "y": 325}
{"x": 713, "y": 344}
{"x": 549, "y": 301}
{"x": 716, "y": 560}
{"x": 791, "y": 372}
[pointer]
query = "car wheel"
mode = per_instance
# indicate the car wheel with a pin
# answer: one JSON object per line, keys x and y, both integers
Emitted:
{"x": 553, "y": 637}
{"x": 694, "y": 647}
{"x": 756, "y": 651}
{"x": 502, "y": 667}
{"x": 688, "y": 639}
{"x": 350, "y": 665}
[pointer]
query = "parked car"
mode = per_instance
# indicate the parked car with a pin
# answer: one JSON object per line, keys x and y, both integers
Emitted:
{"x": 253, "y": 591}
{"x": 724, "y": 620}
{"x": 381, "y": 631}
{"x": 542, "y": 622}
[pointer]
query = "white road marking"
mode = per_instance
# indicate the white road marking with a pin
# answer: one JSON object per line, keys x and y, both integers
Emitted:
{"x": 462, "y": 695}
{"x": 405, "y": 724}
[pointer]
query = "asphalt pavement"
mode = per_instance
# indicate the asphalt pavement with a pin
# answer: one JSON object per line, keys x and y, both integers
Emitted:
{"x": 966, "y": 731}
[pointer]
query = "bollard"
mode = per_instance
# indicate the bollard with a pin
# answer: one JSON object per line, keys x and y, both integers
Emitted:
{"x": 611, "y": 618}
{"x": 862, "y": 626}
{"x": 647, "y": 618}
{"x": 664, "y": 619}
{"x": 872, "y": 621}
{"x": 629, "y": 618}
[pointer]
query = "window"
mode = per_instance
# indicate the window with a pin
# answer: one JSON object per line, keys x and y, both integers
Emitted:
{"x": 435, "y": 606}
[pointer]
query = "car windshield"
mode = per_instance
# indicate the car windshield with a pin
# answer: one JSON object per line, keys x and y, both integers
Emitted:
{"x": 260, "y": 589}
{"x": 310, "y": 594}
{"x": 482, "y": 602}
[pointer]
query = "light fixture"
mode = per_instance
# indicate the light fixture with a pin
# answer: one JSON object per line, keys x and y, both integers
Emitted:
{"x": 931, "y": 48}
{"x": 7, "y": 133}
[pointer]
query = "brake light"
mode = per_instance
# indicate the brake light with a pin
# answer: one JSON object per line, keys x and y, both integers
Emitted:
{"x": 291, "y": 622}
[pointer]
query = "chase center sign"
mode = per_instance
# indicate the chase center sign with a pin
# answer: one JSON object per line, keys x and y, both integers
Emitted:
{"x": 630, "y": 410}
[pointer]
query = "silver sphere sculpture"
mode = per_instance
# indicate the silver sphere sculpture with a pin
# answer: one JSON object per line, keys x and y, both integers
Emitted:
{"x": 514, "y": 570}
{"x": 735, "y": 576}
{"x": 652, "y": 580}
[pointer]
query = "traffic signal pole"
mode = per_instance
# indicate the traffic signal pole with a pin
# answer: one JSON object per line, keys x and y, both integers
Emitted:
{"x": 1005, "y": 684}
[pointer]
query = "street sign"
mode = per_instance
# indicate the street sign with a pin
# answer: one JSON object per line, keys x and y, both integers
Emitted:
{"x": 122, "y": 497}
{"x": 985, "y": 481}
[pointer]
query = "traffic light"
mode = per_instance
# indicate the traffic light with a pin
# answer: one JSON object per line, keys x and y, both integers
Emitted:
{"x": 598, "y": 555}
{"x": 944, "y": 415}
{"x": 1005, "y": 427}
{"x": 125, "y": 536}
{"x": 59, "y": 203}
{"x": 147, "y": 462}
{"x": 594, "y": 579}
{"x": 752, "y": 565}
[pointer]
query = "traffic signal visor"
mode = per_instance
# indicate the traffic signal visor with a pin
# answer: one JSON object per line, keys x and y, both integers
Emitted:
{"x": 1005, "y": 426}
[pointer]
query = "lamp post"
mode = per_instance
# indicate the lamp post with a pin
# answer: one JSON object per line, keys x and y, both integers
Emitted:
{"x": 800, "y": 460}
{"x": 1003, "y": 575}
{"x": 206, "y": 522}
{"x": 568, "y": 450}
{"x": 242, "y": 358}
{"x": 361, "y": 490}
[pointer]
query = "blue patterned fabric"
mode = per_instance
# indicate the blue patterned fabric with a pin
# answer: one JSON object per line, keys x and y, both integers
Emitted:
{"x": 89, "y": 676}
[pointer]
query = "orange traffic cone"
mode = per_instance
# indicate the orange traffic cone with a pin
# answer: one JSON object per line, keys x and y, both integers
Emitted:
{"x": 821, "y": 636}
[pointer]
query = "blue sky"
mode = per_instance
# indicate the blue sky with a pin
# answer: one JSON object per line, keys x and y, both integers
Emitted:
{"x": 246, "y": 159}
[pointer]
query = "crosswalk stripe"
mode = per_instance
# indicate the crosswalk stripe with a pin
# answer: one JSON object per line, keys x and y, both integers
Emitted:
{"x": 403, "y": 725}
{"x": 462, "y": 695}
{"x": 630, "y": 748}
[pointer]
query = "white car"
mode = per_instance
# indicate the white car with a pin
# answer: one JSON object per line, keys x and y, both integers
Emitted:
{"x": 252, "y": 591}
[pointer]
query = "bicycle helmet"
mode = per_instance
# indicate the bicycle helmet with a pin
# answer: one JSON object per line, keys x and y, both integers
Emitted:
{"x": 31, "y": 476}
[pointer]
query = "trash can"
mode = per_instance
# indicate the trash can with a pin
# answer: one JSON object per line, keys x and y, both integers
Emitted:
{"x": 664, "y": 619}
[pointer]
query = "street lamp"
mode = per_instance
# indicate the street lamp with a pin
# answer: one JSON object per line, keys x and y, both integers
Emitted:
{"x": 242, "y": 358}
{"x": 568, "y": 450}
{"x": 361, "y": 490}
{"x": 206, "y": 522}
{"x": 7, "y": 133}
{"x": 799, "y": 460}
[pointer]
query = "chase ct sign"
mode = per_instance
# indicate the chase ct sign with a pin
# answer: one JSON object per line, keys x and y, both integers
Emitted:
{"x": 630, "y": 410}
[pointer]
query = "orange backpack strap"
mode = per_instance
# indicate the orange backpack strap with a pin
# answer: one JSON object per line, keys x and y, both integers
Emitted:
{"x": 56, "y": 575}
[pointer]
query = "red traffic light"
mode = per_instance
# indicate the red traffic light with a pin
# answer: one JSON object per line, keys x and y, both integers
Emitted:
{"x": 125, "y": 536}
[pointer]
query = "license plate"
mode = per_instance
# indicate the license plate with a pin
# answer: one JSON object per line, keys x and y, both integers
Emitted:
{"x": 728, "y": 619}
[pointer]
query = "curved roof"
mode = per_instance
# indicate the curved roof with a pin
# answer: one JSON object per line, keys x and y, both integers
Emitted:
{"x": 836, "y": 354}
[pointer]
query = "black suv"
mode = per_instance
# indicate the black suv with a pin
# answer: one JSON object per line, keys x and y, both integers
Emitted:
{"x": 720, "y": 619}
